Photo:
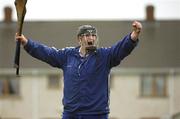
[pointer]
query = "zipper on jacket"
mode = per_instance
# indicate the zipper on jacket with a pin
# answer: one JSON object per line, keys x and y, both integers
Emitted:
{"x": 79, "y": 67}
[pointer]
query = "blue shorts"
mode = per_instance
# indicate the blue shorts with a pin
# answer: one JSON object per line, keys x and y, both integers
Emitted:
{"x": 74, "y": 116}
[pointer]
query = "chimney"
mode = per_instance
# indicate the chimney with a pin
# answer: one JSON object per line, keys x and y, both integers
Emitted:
{"x": 7, "y": 14}
{"x": 150, "y": 13}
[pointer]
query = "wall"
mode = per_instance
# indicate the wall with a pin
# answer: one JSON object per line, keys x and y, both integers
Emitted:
{"x": 158, "y": 47}
{"x": 38, "y": 101}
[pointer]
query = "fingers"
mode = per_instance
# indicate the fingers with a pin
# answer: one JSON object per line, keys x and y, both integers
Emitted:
{"x": 137, "y": 26}
{"x": 21, "y": 38}
{"x": 18, "y": 38}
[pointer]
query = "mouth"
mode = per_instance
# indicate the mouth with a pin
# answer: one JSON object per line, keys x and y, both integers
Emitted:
{"x": 90, "y": 43}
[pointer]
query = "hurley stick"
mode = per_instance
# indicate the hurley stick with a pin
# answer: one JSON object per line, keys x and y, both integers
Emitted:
{"x": 21, "y": 11}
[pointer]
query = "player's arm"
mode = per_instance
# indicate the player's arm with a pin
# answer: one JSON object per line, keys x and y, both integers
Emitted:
{"x": 125, "y": 46}
{"x": 49, "y": 55}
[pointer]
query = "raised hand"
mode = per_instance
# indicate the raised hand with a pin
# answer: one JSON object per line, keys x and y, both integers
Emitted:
{"x": 136, "y": 27}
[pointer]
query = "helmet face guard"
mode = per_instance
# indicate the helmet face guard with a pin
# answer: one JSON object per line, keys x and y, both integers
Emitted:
{"x": 88, "y": 30}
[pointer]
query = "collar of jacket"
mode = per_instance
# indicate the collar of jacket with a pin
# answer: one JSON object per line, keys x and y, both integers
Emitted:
{"x": 77, "y": 53}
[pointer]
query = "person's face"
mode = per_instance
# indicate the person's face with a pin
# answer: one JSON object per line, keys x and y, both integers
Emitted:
{"x": 87, "y": 40}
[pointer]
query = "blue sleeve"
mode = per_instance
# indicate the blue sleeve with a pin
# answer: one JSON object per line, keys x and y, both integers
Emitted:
{"x": 121, "y": 49}
{"x": 50, "y": 55}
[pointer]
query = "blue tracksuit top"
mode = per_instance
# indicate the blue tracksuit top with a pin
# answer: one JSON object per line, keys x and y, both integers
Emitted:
{"x": 86, "y": 89}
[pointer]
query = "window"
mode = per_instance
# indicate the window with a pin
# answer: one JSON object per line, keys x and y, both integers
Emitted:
{"x": 9, "y": 86}
{"x": 154, "y": 85}
{"x": 54, "y": 81}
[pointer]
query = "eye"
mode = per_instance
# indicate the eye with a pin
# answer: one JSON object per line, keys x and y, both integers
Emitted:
{"x": 94, "y": 35}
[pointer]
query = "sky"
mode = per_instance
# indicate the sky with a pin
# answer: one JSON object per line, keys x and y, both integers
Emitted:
{"x": 95, "y": 9}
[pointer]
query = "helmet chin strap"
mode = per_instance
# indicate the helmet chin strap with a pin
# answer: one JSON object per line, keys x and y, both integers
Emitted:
{"x": 91, "y": 49}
